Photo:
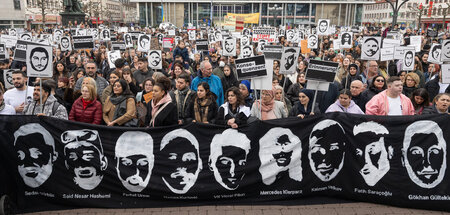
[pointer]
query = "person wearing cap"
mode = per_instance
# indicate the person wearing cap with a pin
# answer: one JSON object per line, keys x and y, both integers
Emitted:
{"x": 303, "y": 107}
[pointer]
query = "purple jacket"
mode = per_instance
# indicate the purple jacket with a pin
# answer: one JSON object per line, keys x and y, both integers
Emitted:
{"x": 337, "y": 107}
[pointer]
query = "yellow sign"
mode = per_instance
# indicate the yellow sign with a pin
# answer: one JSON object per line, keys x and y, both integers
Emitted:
{"x": 251, "y": 18}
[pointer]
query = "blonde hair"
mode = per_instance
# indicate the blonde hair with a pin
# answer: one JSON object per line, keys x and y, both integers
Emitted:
{"x": 91, "y": 82}
{"x": 414, "y": 76}
{"x": 92, "y": 91}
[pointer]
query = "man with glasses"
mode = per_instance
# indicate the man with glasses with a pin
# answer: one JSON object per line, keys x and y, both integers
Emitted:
{"x": 370, "y": 73}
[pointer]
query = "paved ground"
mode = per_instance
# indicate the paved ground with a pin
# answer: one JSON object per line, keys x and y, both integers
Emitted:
{"x": 326, "y": 209}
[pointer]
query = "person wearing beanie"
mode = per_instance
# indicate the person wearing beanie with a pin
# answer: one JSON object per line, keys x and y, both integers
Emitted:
{"x": 353, "y": 74}
{"x": 303, "y": 107}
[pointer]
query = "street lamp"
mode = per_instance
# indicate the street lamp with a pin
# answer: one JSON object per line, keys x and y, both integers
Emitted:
{"x": 395, "y": 9}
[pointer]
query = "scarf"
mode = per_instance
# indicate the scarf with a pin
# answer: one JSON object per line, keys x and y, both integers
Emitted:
{"x": 121, "y": 105}
{"x": 267, "y": 108}
{"x": 180, "y": 97}
{"x": 201, "y": 108}
{"x": 86, "y": 103}
{"x": 155, "y": 107}
{"x": 2, "y": 105}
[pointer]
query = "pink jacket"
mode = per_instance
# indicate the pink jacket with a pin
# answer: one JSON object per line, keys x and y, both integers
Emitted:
{"x": 378, "y": 105}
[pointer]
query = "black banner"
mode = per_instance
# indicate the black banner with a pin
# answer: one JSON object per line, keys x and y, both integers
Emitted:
{"x": 46, "y": 163}
{"x": 319, "y": 70}
{"x": 83, "y": 42}
{"x": 202, "y": 45}
{"x": 251, "y": 67}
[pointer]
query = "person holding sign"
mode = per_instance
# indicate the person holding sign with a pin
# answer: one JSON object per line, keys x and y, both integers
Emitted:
{"x": 391, "y": 101}
{"x": 49, "y": 107}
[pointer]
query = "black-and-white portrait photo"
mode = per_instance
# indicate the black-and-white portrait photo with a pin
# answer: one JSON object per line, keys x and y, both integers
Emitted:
{"x": 39, "y": 60}
{"x": 246, "y": 51}
{"x": 112, "y": 57}
{"x": 134, "y": 161}
{"x": 218, "y": 35}
{"x": 84, "y": 157}
{"x": 424, "y": 153}
{"x": 280, "y": 152}
{"x": 211, "y": 38}
{"x": 36, "y": 154}
{"x": 346, "y": 39}
{"x": 128, "y": 40}
{"x": 370, "y": 49}
{"x": 155, "y": 59}
{"x": 65, "y": 44}
{"x": 229, "y": 46}
{"x": 94, "y": 33}
{"x": 261, "y": 44}
{"x": 326, "y": 149}
{"x": 228, "y": 158}
{"x": 313, "y": 41}
{"x": 57, "y": 34}
{"x": 245, "y": 40}
{"x": 12, "y": 32}
{"x": 144, "y": 43}
{"x": 408, "y": 60}
{"x": 81, "y": 32}
{"x": 7, "y": 77}
{"x": 434, "y": 56}
{"x": 323, "y": 26}
{"x": 180, "y": 154}
{"x": 373, "y": 154}
{"x": 26, "y": 37}
{"x": 160, "y": 38}
{"x": 105, "y": 35}
{"x": 246, "y": 32}
{"x": 192, "y": 34}
{"x": 289, "y": 60}
{"x": 290, "y": 35}
{"x": 445, "y": 51}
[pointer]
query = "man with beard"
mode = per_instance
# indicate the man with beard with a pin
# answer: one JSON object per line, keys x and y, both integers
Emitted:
{"x": 180, "y": 155}
{"x": 424, "y": 153}
{"x": 229, "y": 45}
{"x": 134, "y": 161}
{"x": 228, "y": 158}
{"x": 65, "y": 43}
{"x": 289, "y": 59}
{"x": 323, "y": 26}
{"x": 21, "y": 94}
{"x": 290, "y": 35}
{"x": 91, "y": 71}
{"x": 312, "y": 41}
{"x": 247, "y": 52}
{"x": 83, "y": 154}
{"x": 372, "y": 153}
{"x": 409, "y": 60}
{"x": 39, "y": 59}
{"x": 370, "y": 47}
{"x": 280, "y": 153}
{"x": 50, "y": 106}
{"x": 155, "y": 59}
{"x": 327, "y": 149}
{"x": 36, "y": 154}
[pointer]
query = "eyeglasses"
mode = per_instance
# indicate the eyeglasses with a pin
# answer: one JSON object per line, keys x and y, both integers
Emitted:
{"x": 379, "y": 80}
{"x": 409, "y": 79}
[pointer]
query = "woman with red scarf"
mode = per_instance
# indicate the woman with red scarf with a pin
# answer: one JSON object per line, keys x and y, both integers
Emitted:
{"x": 161, "y": 111}
{"x": 267, "y": 107}
{"x": 87, "y": 108}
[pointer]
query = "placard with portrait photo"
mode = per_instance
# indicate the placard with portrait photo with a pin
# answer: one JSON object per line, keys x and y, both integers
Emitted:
{"x": 155, "y": 59}
{"x": 370, "y": 49}
{"x": 39, "y": 61}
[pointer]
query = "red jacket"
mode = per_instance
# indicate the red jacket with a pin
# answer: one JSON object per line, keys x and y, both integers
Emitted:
{"x": 92, "y": 114}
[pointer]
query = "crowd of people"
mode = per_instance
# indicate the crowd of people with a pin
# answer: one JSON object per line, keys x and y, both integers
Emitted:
{"x": 202, "y": 87}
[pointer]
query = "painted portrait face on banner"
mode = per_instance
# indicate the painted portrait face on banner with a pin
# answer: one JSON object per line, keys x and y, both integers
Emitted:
{"x": 228, "y": 158}
{"x": 371, "y": 47}
{"x": 134, "y": 161}
{"x": 84, "y": 158}
{"x": 211, "y": 38}
{"x": 180, "y": 153}
{"x": 39, "y": 58}
{"x": 326, "y": 149}
{"x": 280, "y": 150}
{"x": 373, "y": 154}
{"x": 424, "y": 153}
{"x": 36, "y": 154}
{"x": 323, "y": 26}
{"x": 246, "y": 31}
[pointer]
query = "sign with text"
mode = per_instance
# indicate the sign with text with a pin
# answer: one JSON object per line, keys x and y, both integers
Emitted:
{"x": 319, "y": 70}
{"x": 251, "y": 67}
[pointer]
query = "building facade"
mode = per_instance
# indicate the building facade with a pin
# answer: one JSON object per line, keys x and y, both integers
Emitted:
{"x": 272, "y": 12}
{"x": 381, "y": 12}
{"x": 12, "y": 14}
{"x": 435, "y": 13}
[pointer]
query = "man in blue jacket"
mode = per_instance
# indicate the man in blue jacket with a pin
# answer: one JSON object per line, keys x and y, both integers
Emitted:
{"x": 215, "y": 84}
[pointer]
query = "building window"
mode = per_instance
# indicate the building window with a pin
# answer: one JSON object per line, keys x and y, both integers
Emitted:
{"x": 16, "y": 4}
